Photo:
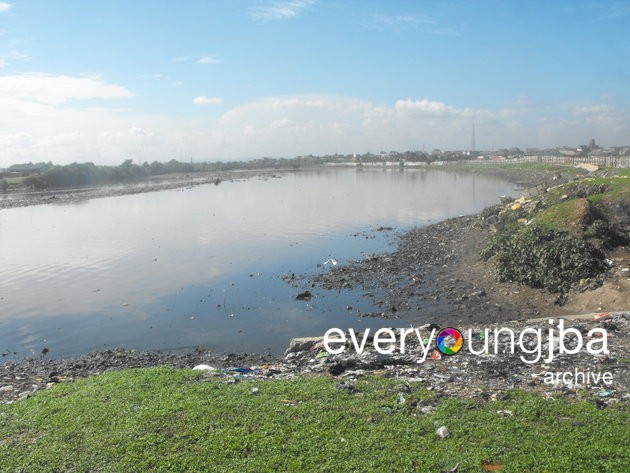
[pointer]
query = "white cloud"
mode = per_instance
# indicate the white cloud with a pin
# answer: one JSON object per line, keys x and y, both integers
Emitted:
{"x": 279, "y": 9}
{"x": 409, "y": 20}
{"x": 44, "y": 123}
{"x": 5, "y": 7}
{"x": 11, "y": 56}
{"x": 54, "y": 90}
{"x": 207, "y": 60}
{"x": 400, "y": 22}
{"x": 203, "y": 100}
{"x": 137, "y": 131}
{"x": 423, "y": 106}
{"x": 596, "y": 109}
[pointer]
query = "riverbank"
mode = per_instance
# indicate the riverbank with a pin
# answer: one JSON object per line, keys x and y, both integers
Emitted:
{"x": 25, "y": 198}
{"x": 437, "y": 272}
{"x": 465, "y": 375}
{"x": 436, "y": 275}
{"x": 521, "y": 174}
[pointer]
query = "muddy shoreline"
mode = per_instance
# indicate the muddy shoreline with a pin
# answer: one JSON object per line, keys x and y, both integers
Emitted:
{"x": 25, "y": 198}
{"x": 435, "y": 270}
{"x": 483, "y": 376}
{"x": 435, "y": 273}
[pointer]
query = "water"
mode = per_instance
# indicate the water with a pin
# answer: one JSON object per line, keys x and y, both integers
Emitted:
{"x": 177, "y": 269}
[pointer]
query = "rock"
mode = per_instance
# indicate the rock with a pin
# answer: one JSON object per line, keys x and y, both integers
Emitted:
{"x": 304, "y": 296}
{"x": 442, "y": 432}
{"x": 336, "y": 369}
{"x": 6, "y": 389}
{"x": 492, "y": 219}
{"x": 345, "y": 385}
{"x": 302, "y": 344}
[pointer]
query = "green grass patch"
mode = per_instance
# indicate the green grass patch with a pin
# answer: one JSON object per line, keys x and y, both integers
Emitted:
{"x": 569, "y": 216}
{"x": 525, "y": 166}
{"x": 176, "y": 420}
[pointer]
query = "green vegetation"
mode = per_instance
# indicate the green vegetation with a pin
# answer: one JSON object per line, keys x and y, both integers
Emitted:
{"x": 50, "y": 176}
{"x": 558, "y": 238}
{"x": 519, "y": 172}
{"x": 164, "y": 419}
{"x": 543, "y": 257}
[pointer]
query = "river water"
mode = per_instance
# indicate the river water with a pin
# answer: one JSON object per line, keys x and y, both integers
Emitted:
{"x": 202, "y": 266}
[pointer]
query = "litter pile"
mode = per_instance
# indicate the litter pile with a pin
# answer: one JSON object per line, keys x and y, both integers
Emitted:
{"x": 484, "y": 376}
{"x": 470, "y": 375}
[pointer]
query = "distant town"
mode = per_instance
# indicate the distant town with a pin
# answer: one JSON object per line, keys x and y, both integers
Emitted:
{"x": 45, "y": 175}
{"x": 590, "y": 150}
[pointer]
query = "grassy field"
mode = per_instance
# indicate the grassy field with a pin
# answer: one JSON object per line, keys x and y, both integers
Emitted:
{"x": 178, "y": 420}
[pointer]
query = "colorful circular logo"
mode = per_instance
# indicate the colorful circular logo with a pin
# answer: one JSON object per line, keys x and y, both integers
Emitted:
{"x": 450, "y": 341}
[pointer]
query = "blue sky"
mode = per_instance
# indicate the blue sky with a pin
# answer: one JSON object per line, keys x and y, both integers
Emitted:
{"x": 104, "y": 81}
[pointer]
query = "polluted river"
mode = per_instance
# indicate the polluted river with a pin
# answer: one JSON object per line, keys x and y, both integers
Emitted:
{"x": 212, "y": 266}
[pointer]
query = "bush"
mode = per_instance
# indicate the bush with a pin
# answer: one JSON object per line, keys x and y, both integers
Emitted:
{"x": 490, "y": 211}
{"x": 543, "y": 257}
{"x": 609, "y": 234}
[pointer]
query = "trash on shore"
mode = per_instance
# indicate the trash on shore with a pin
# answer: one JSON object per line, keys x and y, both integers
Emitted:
{"x": 304, "y": 296}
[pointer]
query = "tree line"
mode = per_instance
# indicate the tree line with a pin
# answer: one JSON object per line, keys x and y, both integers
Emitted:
{"x": 51, "y": 176}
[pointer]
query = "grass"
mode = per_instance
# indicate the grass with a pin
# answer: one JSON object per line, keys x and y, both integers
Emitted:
{"x": 572, "y": 227}
{"x": 164, "y": 419}
{"x": 569, "y": 216}
{"x": 527, "y": 167}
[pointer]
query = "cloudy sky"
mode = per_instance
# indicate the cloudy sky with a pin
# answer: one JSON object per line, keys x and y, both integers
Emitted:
{"x": 105, "y": 81}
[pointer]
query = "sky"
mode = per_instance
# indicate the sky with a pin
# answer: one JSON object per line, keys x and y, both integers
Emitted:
{"x": 105, "y": 81}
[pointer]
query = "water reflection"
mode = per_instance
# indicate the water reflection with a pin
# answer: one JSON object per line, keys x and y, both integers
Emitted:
{"x": 201, "y": 266}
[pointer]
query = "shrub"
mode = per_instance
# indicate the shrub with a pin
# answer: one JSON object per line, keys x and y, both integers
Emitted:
{"x": 543, "y": 257}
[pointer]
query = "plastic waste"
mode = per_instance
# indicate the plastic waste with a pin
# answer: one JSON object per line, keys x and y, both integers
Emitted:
{"x": 241, "y": 370}
{"x": 204, "y": 368}
{"x": 332, "y": 261}
{"x": 442, "y": 432}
